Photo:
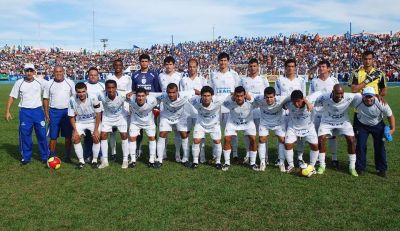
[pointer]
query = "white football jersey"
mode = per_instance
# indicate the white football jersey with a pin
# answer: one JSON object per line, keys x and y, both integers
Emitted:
{"x": 239, "y": 114}
{"x": 173, "y": 110}
{"x": 166, "y": 79}
{"x": 29, "y": 92}
{"x": 300, "y": 118}
{"x": 371, "y": 115}
{"x": 224, "y": 84}
{"x": 188, "y": 84}
{"x": 59, "y": 93}
{"x": 113, "y": 109}
{"x": 271, "y": 115}
{"x": 325, "y": 86}
{"x": 332, "y": 112}
{"x": 208, "y": 117}
{"x": 85, "y": 112}
{"x": 95, "y": 88}
{"x": 256, "y": 86}
{"x": 143, "y": 115}
{"x": 124, "y": 83}
{"x": 285, "y": 86}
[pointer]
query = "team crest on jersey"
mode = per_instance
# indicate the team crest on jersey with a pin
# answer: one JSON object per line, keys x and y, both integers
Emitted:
{"x": 42, "y": 123}
{"x": 143, "y": 81}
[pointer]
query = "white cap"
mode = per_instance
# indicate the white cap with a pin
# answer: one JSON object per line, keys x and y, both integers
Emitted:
{"x": 369, "y": 91}
{"x": 29, "y": 66}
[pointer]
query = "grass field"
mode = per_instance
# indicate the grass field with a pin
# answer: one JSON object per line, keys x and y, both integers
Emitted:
{"x": 176, "y": 198}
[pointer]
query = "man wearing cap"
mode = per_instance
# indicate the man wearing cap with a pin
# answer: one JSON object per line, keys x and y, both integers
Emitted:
{"x": 55, "y": 101}
{"x": 370, "y": 121}
{"x": 31, "y": 114}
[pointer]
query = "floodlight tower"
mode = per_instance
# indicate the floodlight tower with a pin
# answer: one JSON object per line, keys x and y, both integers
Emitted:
{"x": 104, "y": 41}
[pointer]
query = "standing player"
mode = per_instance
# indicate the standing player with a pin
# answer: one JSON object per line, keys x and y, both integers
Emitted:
{"x": 85, "y": 111}
{"x": 31, "y": 115}
{"x": 271, "y": 108}
{"x": 114, "y": 116}
{"x": 208, "y": 109}
{"x": 147, "y": 79}
{"x": 124, "y": 84}
{"x": 240, "y": 119}
{"x": 335, "y": 121}
{"x": 172, "y": 115}
{"x": 167, "y": 77}
{"x": 142, "y": 118}
{"x": 324, "y": 83}
{"x": 255, "y": 84}
{"x": 224, "y": 82}
{"x": 94, "y": 87}
{"x": 284, "y": 86}
{"x": 194, "y": 82}
{"x": 55, "y": 102}
{"x": 300, "y": 126}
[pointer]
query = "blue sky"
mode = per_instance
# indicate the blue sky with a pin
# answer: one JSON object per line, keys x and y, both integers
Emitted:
{"x": 68, "y": 23}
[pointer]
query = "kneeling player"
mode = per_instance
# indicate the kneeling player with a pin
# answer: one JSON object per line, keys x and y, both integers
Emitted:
{"x": 84, "y": 112}
{"x": 271, "y": 108}
{"x": 300, "y": 126}
{"x": 208, "y": 112}
{"x": 114, "y": 115}
{"x": 142, "y": 118}
{"x": 240, "y": 119}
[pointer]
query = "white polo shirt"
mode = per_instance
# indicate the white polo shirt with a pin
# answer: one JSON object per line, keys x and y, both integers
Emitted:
{"x": 29, "y": 92}
{"x": 59, "y": 93}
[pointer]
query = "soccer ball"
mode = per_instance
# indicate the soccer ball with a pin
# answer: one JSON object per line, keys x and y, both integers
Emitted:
{"x": 307, "y": 172}
{"x": 54, "y": 162}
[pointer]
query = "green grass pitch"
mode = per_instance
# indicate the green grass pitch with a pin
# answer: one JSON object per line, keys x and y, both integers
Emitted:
{"x": 176, "y": 198}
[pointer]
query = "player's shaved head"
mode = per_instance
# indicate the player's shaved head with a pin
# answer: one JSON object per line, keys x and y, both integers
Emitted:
{"x": 337, "y": 93}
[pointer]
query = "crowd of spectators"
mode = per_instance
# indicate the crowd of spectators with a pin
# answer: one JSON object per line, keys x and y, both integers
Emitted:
{"x": 271, "y": 51}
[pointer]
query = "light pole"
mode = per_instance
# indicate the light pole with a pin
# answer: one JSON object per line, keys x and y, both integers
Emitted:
{"x": 104, "y": 41}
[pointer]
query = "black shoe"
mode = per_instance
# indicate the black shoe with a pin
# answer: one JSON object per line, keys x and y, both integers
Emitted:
{"x": 67, "y": 159}
{"x": 24, "y": 162}
{"x": 157, "y": 165}
{"x": 187, "y": 164}
{"x": 254, "y": 167}
{"x": 236, "y": 160}
{"x": 44, "y": 162}
{"x": 360, "y": 172}
{"x": 151, "y": 165}
{"x": 88, "y": 160}
{"x": 218, "y": 166}
{"x": 194, "y": 166}
{"x": 113, "y": 157}
{"x": 80, "y": 165}
{"x": 132, "y": 165}
{"x": 382, "y": 174}
{"x": 225, "y": 167}
{"x": 335, "y": 164}
{"x": 94, "y": 165}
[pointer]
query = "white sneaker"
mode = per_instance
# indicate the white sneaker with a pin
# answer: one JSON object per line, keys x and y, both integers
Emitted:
{"x": 178, "y": 159}
{"x": 104, "y": 164}
{"x": 262, "y": 167}
{"x": 138, "y": 153}
{"x": 225, "y": 167}
{"x": 302, "y": 164}
{"x": 125, "y": 164}
{"x": 290, "y": 169}
{"x": 246, "y": 160}
{"x": 282, "y": 167}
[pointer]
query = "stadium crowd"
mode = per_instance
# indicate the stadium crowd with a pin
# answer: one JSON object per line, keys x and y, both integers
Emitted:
{"x": 271, "y": 51}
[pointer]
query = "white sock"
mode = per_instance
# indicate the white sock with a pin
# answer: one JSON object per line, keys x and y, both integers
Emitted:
{"x": 352, "y": 160}
{"x": 160, "y": 149}
{"x": 246, "y": 144}
{"x": 165, "y": 149}
{"x": 234, "y": 146}
{"x": 321, "y": 159}
{"x": 333, "y": 148}
{"x": 196, "y": 153}
{"x": 96, "y": 151}
{"x": 132, "y": 151}
{"x": 300, "y": 149}
{"x": 227, "y": 156}
{"x": 281, "y": 153}
{"x": 104, "y": 149}
{"x": 313, "y": 157}
{"x": 252, "y": 156}
{"x": 125, "y": 149}
{"x": 203, "y": 149}
{"x": 178, "y": 144}
{"x": 79, "y": 152}
{"x": 185, "y": 147}
{"x": 266, "y": 151}
{"x": 217, "y": 151}
{"x": 289, "y": 157}
{"x": 152, "y": 150}
{"x": 261, "y": 152}
{"x": 113, "y": 143}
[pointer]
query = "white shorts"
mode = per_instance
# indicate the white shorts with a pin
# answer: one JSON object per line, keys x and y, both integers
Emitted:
{"x": 81, "y": 127}
{"x": 257, "y": 123}
{"x": 248, "y": 128}
{"x": 121, "y": 125}
{"x": 310, "y": 135}
{"x": 167, "y": 125}
{"x": 336, "y": 129}
{"x": 199, "y": 132}
{"x": 134, "y": 130}
{"x": 279, "y": 130}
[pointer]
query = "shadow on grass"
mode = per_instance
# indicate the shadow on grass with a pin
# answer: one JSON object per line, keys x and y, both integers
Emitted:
{"x": 14, "y": 152}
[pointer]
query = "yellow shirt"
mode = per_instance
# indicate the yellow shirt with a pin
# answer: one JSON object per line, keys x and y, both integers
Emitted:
{"x": 358, "y": 76}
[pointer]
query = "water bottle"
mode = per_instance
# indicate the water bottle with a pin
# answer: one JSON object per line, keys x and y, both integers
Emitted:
{"x": 386, "y": 134}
